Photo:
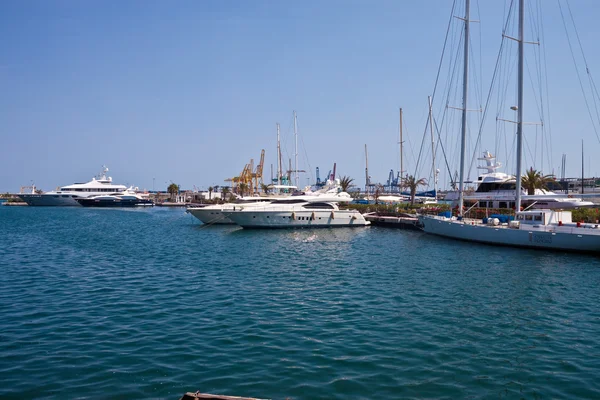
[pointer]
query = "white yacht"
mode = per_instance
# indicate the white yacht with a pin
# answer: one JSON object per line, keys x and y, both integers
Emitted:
{"x": 498, "y": 190}
{"x": 67, "y": 195}
{"x": 216, "y": 214}
{"x": 300, "y": 212}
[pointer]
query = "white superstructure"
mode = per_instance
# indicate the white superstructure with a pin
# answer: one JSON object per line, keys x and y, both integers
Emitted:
{"x": 498, "y": 190}
{"x": 67, "y": 195}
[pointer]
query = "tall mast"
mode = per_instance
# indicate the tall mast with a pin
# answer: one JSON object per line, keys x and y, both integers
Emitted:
{"x": 296, "y": 150}
{"x": 520, "y": 107}
{"x": 582, "y": 176}
{"x": 433, "y": 171}
{"x": 463, "y": 137}
{"x": 401, "y": 150}
{"x": 278, "y": 157}
{"x": 366, "y": 170}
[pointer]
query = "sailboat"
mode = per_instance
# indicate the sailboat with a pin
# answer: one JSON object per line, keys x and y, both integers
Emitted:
{"x": 546, "y": 229}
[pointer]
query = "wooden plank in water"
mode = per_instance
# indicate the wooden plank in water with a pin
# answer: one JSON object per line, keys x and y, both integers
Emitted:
{"x": 207, "y": 396}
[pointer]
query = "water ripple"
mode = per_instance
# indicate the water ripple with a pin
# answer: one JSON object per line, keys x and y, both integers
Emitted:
{"x": 150, "y": 304}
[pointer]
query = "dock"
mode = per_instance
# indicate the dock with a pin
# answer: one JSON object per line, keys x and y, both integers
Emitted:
{"x": 399, "y": 221}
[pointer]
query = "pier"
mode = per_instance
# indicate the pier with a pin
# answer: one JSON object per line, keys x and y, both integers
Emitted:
{"x": 400, "y": 220}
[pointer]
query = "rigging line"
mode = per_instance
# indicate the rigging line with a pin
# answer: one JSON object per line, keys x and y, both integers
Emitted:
{"x": 485, "y": 109}
{"x": 543, "y": 97}
{"x": 452, "y": 74}
{"x": 576, "y": 70}
{"x": 587, "y": 69}
{"x": 422, "y": 145}
{"x": 306, "y": 159}
{"x": 443, "y": 50}
{"x": 443, "y": 151}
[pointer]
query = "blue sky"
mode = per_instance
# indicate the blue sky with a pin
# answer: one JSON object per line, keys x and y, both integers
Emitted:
{"x": 190, "y": 91}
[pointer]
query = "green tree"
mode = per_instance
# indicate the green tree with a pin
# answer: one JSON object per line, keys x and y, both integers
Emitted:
{"x": 173, "y": 190}
{"x": 224, "y": 192}
{"x": 412, "y": 184}
{"x": 345, "y": 183}
{"x": 210, "y": 190}
{"x": 243, "y": 188}
{"x": 534, "y": 179}
{"x": 265, "y": 188}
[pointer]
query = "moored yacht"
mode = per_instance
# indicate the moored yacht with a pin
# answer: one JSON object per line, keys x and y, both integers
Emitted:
{"x": 299, "y": 212}
{"x": 498, "y": 190}
{"x": 68, "y": 195}
{"x": 127, "y": 198}
{"x": 216, "y": 214}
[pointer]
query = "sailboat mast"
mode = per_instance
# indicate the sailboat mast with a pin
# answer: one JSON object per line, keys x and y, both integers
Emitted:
{"x": 582, "y": 173}
{"x": 520, "y": 107}
{"x": 463, "y": 137}
{"x": 432, "y": 148}
{"x": 401, "y": 151}
{"x": 278, "y": 158}
{"x": 366, "y": 170}
{"x": 296, "y": 150}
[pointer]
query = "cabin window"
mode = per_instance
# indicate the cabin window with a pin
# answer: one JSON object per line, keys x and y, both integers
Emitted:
{"x": 520, "y": 217}
{"x": 538, "y": 218}
{"x": 502, "y": 204}
{"x": 528, "y": 217}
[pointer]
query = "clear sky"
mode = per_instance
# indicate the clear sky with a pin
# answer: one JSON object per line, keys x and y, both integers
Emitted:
{"x": 190, "y": 91}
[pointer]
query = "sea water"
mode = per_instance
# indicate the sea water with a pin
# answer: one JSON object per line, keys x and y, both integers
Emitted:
{"x": 150, "y": 303}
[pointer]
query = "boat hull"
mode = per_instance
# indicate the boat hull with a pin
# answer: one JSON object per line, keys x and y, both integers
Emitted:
{"x": 565, "y": 239}
{"x": 50, "y": 200}
{"x": 298, "y": 219}
{"x": 210, "y": 216}
{"x": 115, "y": 202}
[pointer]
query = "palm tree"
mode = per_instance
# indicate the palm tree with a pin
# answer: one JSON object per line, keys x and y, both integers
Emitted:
{"x": 345, "y": 183}
{"x": 534, "y": 179}
{"x": 243, "y": 188}
{"x": 173, "y": 189}
{"x": 265, "y": 188}
{"x": 412, "y": 184}
{"x": 378, "y": 190}
{"x": 224, "y": 192}
{"x": 210, "y": 190}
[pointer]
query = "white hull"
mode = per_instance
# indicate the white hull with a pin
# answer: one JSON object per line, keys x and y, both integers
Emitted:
{"x": 298, "y": 219}
{"x": 210, "y": 216}
{"x": 568, "y": 238}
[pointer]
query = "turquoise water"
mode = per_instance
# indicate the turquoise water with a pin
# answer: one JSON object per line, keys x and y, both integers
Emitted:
{"x": 151, "y": 304}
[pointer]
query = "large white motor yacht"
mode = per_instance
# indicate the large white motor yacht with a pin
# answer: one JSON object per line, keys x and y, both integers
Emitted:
{"x": 67, "y": 195}
{"x": 216, "y": 214}
{"x": 300, "y": 212}
{"x": 497, "y": 190}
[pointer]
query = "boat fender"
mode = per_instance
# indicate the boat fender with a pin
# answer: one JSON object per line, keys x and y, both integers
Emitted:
{"x": 312, "y": 216}
{"x": 332, "y": 215}
{"x": 293, "y": 215}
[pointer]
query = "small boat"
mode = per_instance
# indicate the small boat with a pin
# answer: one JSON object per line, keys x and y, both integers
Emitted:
{"x": 128, "y": 198}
